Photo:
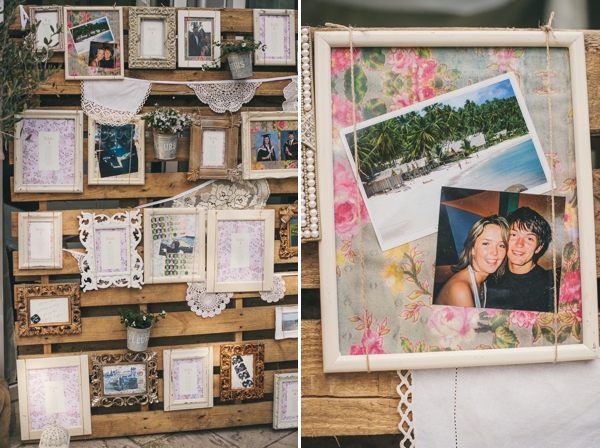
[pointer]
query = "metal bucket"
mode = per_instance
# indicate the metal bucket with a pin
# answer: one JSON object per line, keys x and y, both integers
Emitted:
{"x": 240, "y": 65}
{"x": 165, "y": 146}
{"x": 137, "y": 339}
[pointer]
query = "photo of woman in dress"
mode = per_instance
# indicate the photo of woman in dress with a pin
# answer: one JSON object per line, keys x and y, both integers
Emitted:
{"x": 108, "y": 61}
{"x": 267, "y": 151}
{"x": 96, "y": 55}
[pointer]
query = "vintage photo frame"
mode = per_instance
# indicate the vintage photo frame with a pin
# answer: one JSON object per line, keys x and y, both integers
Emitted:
{"x": 286, "y": 322}
{"x": 181, "y": 394}
{"x": 251, "y": 128}
{"x": 133, "y": 136}
{"x": 98, "y": 234}
{"x": 234, "y": 372}
{"x": 157, "y": 229}
{"x": 68, "y": 397}
{"x": 282, "y": 22}
{"x": 40, "y": 232}
{"x": 288, "y": 230}
{"x": 121, "y": 362}
{"x": 221, "y": 163}
{"x": 68, "y": 149}
{"x": 109, "y": 22}
{"x": 165, "y": 18}
{"x": 415, "y": 310}
{"x": 257, "y": 229}
{"x": 48, "y": 16}
{"x": 58, "y": 305}
{"x": 286, "y": 402}
{"x": 184, "y": 60}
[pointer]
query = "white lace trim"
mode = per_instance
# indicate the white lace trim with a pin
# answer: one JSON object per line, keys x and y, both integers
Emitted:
{"x": 405, "y": 426}
{"x": 225, "y": 195}
{"x": 290, "y": 92}
{"x": 278, "y": 290}
{"x": 107, "y": 115}
{"x": 225, "y": 97}
{"x": 79, "y": 256}
{"x": 206, "y": 304}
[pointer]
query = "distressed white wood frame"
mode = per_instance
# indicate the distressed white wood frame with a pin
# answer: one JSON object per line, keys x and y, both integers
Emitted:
{"x": 216, "y": 37}
{"x": 77, "y": 186}
{"x": 25, "y": 365}
{"x": 66, "y": 9}
{"x": 279, "y": 380}
{"x": 291, "y": 16}
{"x": 247, "y": 119}
{"x": 214, "y": 216}
{"x": 58, "y": 10}
{"x": 24, "y": 218}
{"x": 333, "y": 360}
{"x": 199, "y": 245}
{"x": 93, "y": 180}
{"x": 280, "y": 333}
{"x": 132, "y": 275}
{"x": 169, "y": 358}
{"x": 136, "y": 17}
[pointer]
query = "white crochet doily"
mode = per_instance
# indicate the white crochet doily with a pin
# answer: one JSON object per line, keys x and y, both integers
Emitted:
{"x": 277, "y": 293}
{"x": 116, "y": 102}
{"x": 405, "y": 426}
{"x": 206, "y": 304}
{"x": 79, "y": 256}
{"x": 226, "y": 195}
{"x": 290, "y": 92}
{"x": 227, "y": 96}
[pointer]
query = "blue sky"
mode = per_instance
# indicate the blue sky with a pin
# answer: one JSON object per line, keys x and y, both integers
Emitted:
{"x": 499, "y": 90}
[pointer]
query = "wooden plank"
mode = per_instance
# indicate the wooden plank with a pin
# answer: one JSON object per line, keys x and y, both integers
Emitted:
{"x": 310, "y": 265}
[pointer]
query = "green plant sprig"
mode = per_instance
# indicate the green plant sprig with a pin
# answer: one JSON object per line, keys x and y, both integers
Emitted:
{"x": 167, "y": 121}
{"x": 139, "y": 319}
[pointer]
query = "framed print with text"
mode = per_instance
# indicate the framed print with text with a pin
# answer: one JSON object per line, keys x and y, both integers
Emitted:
{"x": 152, "y": 38}
{"x": 51, "y": 19}
{"x": 285, "y": 400}
{"x": 188, "y": 374}
{"x": 40, "y": 240}
{"x": 276, "y": 28}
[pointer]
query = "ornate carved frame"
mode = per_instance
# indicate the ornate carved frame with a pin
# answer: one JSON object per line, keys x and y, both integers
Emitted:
{"x": 167, "y": 15}
{"x": 197, "y": 169}
{"x": 129, "y": 358}
{"x": 131, "y": 277}
{"x": 33, "y": 10}
{"x": 228, "y": 351}
{"x": 286, "y": 250}
{"x": 278, "y": 380}
{"x": 23, "y": 295}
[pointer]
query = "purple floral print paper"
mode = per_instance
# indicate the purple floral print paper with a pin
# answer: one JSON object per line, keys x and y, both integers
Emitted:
{"x": 255, "y": 271}
{"x": 32, "y": 174}
{"x": 289, "y": 392}
{"x": 178, "y": 366}
{"x": 285, "y": 37}
{"x": 32, "y": 227}
{"x": 124, "y": 250}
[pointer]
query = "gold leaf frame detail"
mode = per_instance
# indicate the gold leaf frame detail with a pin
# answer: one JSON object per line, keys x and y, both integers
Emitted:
{"x": 286, "y": 250}
{"x": 250, "y": 348}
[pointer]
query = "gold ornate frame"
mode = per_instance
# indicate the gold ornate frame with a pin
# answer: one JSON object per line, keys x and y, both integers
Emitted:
{"x": 136, "y": 15}
{"x": 286, "y": 250}
{"x": 151, "y": 394}
{"x": 228, "y": 351}
{"x": 23, "y": 295}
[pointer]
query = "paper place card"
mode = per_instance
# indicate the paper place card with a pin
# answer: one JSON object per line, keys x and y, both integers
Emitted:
{"x": 240, "y": 250}
{"x": 274, "y": 36}
{"x": 291, "y": 399}
{"x": 242, "y": 372}
{"x": 213, "y": 148}
{"x": 110, "y": 250}
{"x": 41, "y": 244}
{"x": 51, "y": 310}
{"x": 47, "y": 19}
{"x": 188, "y": 378}
{"x": 48, "y": 151}
{"x": 54, "y": 396}
{"x": 152, "y": 37}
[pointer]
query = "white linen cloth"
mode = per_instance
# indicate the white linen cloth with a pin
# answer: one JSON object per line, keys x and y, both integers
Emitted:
{"x": 535, "y": 405}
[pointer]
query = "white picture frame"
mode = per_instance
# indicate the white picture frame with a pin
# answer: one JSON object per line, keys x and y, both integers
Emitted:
{"x": 37, "y": 231}
{"x": 246, "y": 224}
{"x": 286, "y": 316}
{"x": 186, "y": 60}
{"x": 177, "y": 380}
{"x": 156, "y": 230}
{"x": 34, "y": 391}
{"x": 136, "y": 142}
{"x": 29, "y": 178}
{"x": 280, "y": 20}
{"x": 285, "y": 395}
{"x": 48, "y": 16}
{"x": 111, "y": 257}
{"x": 333, "y": 360}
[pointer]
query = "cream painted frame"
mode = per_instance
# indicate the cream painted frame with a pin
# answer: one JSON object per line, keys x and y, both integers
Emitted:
{"x": 216, "y": 37}
{"x": 80, "y": 361}
{"x": 280, "y": 333}
{"x": 149, "y": 278}
{"x": 291, "y": 16}
{"x": 77, "y": 186}
{"x": 93, "y": 180}
{"x": 278, "y": 380}
{"x": 165, "y": 14}
{"x": 34, "y": 10}
{"x": 57, "y": 258}
{"x": 333, "y": 360}
{"x": 169, "y": 358}
{"x": 214, "y": 216}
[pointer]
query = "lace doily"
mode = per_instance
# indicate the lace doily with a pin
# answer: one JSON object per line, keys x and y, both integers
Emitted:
{"x": 225, "y": 195}
{"x": 206, "y": 304}
{"x": 115, "y": 102}
{"x": 227, "y": 96}
{"x": 79, "y": 256}
{"x": 277, "y": 293}
{"x": 405, "y": 426}
{"x": 290, "y": 92}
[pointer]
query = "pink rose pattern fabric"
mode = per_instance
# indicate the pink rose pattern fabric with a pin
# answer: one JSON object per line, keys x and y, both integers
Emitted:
{"x": 255, "y": 271}
{"x": 286, "y": 36}
{"x": 399, "y": 282}
{"x": 288, "y": 388}
{"x": 36, "y": 378}
{"x": 200, "y": 379}
{"x": 66, "y": 151}
{"x": 124, "y": 250}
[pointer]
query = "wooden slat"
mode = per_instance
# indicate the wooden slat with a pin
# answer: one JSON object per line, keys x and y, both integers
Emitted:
{"x": 310, "y": 265}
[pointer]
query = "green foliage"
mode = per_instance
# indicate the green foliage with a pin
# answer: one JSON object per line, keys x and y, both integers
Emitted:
{"x": 167, "y": 121}
{"x": 139, "y": 319}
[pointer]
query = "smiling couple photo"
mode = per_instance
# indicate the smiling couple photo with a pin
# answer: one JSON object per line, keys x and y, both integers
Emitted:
{"x": 494, "y": 250}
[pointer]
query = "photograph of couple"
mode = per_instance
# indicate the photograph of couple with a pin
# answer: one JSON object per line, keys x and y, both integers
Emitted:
{"x": 494, "y": 250}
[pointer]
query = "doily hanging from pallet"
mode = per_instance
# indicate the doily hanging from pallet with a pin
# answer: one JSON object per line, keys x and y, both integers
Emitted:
{"x": 227, "y": 96}
{"x": 206, "y": 304}
{"x": 277, "y": 293}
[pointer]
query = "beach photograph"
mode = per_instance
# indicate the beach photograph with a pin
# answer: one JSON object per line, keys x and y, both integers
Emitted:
{"x": 96, "y": 30}
{"x": 478, "y": 137}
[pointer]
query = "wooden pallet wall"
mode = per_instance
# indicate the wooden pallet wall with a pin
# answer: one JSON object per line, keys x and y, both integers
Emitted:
{"x": 246, "y": 318}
